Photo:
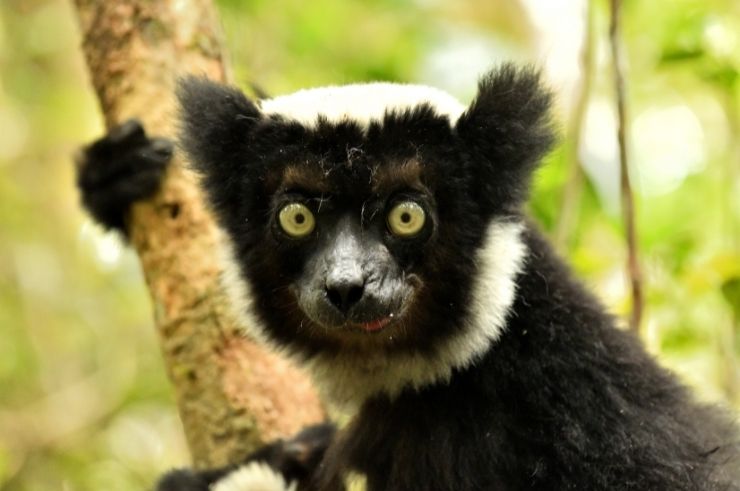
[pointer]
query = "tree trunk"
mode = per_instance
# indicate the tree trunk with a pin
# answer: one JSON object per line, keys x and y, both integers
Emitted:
{"x": 232, "y": 394}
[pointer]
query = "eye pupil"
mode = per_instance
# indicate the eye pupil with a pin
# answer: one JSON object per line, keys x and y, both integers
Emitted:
{"x": 405, "y": 217}
{"x": 300, "y": 218}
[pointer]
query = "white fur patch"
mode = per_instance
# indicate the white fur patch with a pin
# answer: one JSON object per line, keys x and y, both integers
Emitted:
{"x": 347, "y": 381}
{"x": 361, "y": 103}
{"x": 255, "y": 476}
{"x": 239, "y": 294}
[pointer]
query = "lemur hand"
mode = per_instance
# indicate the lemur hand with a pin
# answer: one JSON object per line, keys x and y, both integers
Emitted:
{"x": 119, "y": 169}
{"x": 284, "y": 465}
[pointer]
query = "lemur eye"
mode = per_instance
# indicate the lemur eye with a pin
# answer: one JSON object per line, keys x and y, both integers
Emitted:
{"x": 406, "y": 219}
{"x": 296, "y": 220}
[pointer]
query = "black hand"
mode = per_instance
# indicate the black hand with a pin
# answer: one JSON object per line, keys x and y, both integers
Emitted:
{"x": 121, "y": 168}
{"x": 296, "y": 459}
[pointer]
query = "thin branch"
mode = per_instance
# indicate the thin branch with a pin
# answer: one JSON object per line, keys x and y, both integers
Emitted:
{"x": 731, "y": 175}
{"x": 627, "y": 196}
{"x": 571, "y": 198}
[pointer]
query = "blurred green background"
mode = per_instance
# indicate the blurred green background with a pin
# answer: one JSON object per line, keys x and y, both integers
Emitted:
{"x": 84, "y": 402}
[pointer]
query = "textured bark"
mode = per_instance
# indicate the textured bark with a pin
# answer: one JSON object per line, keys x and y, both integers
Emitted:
{"x": 232, "y": 394}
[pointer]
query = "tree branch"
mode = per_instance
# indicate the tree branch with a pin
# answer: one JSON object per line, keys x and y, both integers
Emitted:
{"x": 571, "y": 198}
{"x": 628, "y": 204}
{"x": 232, "y": 395}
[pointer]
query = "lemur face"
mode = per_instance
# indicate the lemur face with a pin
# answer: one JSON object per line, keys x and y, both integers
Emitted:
{"x": 353, "y": 227}
{"x": 355, "y": 215}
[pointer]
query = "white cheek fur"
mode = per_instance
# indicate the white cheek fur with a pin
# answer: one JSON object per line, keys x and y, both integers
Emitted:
{"x": 239, "y": 293}
{"x": 347, "y": 381}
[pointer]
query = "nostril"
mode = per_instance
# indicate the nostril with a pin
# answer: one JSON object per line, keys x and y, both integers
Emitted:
{"x": 354, "y": 295}
{"x": 344, "y": 296}
{"x": 334, "y": 297}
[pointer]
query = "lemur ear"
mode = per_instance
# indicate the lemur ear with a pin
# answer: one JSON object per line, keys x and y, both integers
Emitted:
{"x": 215, "y": 121}
{"x": 215, "y": 125}
{"x": 508, "y": 130}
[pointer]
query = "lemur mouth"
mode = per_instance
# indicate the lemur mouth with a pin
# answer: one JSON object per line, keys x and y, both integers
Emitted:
{"x": 375, "y": 325}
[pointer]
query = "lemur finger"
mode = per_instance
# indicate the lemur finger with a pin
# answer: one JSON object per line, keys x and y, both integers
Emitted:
{"x": 109, "y": 205}
{"x": 309, "y": 445}
{"x": 129, "y": 133}
{"x": 160, "y": 149}
{"x": 182, "y": 480}
{"x": 119, "y": 140}
{"x": 298, "y": 457}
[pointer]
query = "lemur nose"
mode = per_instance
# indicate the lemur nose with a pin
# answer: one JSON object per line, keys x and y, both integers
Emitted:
{"x": 344, "y": 293}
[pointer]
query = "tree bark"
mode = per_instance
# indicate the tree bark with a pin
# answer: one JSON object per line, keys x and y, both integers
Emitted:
{"x": 232, "y": 395}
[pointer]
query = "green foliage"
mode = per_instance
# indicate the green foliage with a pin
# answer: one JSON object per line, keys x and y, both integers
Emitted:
{"x": 85, "y": 403}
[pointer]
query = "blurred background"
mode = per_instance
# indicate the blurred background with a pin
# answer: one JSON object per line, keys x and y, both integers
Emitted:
{"x": 84, "y": 401}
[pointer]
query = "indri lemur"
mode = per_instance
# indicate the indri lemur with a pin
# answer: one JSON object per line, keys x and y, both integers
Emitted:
{"x": 375, "y": 232}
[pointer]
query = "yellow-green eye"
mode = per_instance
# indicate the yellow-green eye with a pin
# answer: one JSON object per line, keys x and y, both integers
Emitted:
{"x": 406, "y": 219}
{"x": 296, "y": 220}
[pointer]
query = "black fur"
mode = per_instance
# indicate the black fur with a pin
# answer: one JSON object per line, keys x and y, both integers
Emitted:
{"x": 507, "y": 130}
{"x": 217, "y": 124}
{"x": 563, "y": 400}
{"x": 120, "y": 169}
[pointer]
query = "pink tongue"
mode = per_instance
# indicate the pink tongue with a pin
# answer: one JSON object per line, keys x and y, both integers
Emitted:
{"x": 375, "y": 325}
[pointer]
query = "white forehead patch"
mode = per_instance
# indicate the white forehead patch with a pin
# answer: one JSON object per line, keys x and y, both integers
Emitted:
{"x": 361, "y": 103}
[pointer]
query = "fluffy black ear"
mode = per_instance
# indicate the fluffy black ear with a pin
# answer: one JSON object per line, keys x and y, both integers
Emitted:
{"x": 508, "y": 130}
{"x": 216, "y": 120}
{"x": 215, "y": 124}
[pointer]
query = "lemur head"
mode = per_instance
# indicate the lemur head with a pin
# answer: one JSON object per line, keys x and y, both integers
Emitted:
{"x": 372, "y": 225}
